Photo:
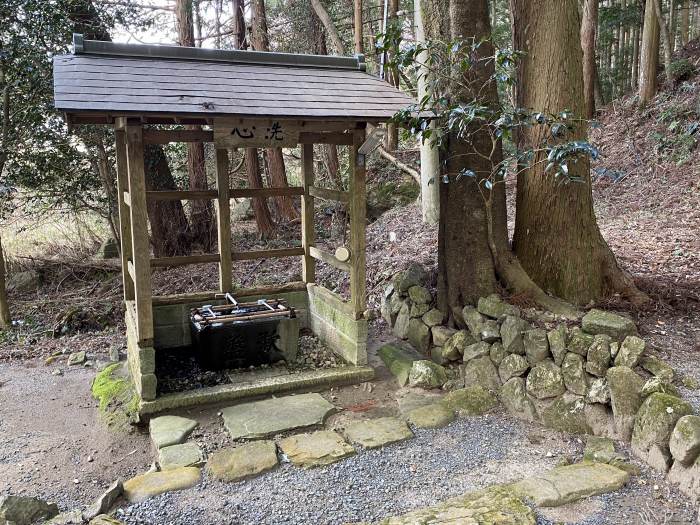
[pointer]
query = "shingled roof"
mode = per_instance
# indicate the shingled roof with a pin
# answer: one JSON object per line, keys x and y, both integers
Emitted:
{"x": 104, "y": 80}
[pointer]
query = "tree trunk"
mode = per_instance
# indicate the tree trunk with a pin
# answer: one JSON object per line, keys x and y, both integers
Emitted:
{"x": 666, "y": 39}
{"x": 202, "y": 223}
{"x": 263, "y": 219}
{"x": 357, "y": 11}
{"x": 275, "y": 160}
{"x": 429, "y": 156}
{"x": 238, "y": 25}
{"x": 170, "y": 233}
{"x": 685, "y": 21}
{"x": 556, "y": 235}
{"x": 649, "y": 59}
{"x": 589, "y": 25}
{"x": 329, "y": 26}
{"x": 392, "y": 77}
{"x": 635, "y": 57}
{"x": 5, "y": 317}
{"x": 169, "y": 227}
{"x": 673, "y": 23}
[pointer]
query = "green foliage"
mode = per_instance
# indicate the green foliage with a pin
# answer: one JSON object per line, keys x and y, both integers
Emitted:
{"x": 456, "y": 101}
{"x": 682, "y": 69}
{"x": 118, "y": 402}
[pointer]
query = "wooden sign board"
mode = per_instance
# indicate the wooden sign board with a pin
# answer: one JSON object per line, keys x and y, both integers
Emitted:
{"x": 248, "y": 133}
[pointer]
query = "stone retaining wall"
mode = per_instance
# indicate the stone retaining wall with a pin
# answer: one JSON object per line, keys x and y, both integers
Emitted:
{"x": 594, "y": 377}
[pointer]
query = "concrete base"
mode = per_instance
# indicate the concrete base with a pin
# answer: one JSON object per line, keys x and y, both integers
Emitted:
{"x": 311, "y": 380}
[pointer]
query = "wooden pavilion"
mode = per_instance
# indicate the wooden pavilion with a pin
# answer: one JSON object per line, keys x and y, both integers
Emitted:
{"x": 246, "y": 99}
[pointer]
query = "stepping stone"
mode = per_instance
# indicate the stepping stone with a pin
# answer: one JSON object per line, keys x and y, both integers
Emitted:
{"x": 431, "y": 416}
{"x": 170, "y": 430}
{"x": 571, "y": 483}
{"x": 151, "y": 484}
{"x": 374, "y": 433}
{"x": 409, "y": 398}
{"x": 245, "y": 461}
{"x": 261, "y": 419}
{"x": 316, "y": 449}
{"x": 493, "y": 505}
{"x": 175, "y": 456}
{"x": 399, "y": 359}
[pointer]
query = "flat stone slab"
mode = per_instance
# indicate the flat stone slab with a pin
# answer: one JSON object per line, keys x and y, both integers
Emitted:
{"x": 151, "y": 484}
{"x": 184, "y": 455}
{"x": 245, "y": 461}
{"x": 571, "y": 483}
{"x": 261, "y": 419}
{"x": 170, "y": 430}
{"x": 316, "y": 449}
{"x": 374, "y": 433}
{"x": 495, "y": 505}
{"x": 431, "y": 416}
{"x": 410, "y": 398}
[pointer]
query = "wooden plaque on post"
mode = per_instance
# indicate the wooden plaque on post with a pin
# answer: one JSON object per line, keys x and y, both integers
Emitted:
{"x": 251, "y": 133}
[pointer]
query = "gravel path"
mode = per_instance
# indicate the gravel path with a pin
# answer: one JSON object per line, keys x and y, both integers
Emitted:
{"x": 437, "y": 464}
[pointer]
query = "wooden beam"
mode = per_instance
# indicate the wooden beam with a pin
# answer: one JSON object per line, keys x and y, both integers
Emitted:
{"x": 339, "y": 139}
{"x": 333, "y": 299}
{"x": 308, "y": 264}
{"x": 328, "y": 258}
{"x": 181, "y": 195}
{"x": 124, "y": 216}
{"x": 358, "y": 223}
{"x": 267, "y": 291}
{"x": 223, "y": 220}
{"x": 329, "y": 195}
{"x": 182, "y": 260}
{"x": 139, "y": 233}
{"x": 266, "y": 254}
{"x": 126, "y": 198}
{"x": 239, "y": 193}
{"x": 130, "y": 269}
{"x": 163, "y": 136}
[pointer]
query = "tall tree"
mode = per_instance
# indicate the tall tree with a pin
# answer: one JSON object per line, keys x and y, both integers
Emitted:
{"x": 392, "y": 77}
{"x": 556, "y": 238}
{"x": 263, "y": 218}
{"x": 202, "y": 225}
{"x": 589, "y": 26}
{"x": 649, "y": 54}
{"x": 666, "y": 37}
{"x": 275, "y": 160}
{"x": 685, "y": 21}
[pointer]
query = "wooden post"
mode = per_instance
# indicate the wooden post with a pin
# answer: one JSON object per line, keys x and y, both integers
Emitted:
{"x": 358, "y": 213}
{"x": 140, "y": 247}
{"x": 357, "y": 8}
{"x": 307, "y": 213}
{"x": 223, "y": 219}
{"x": 124, "y": 213}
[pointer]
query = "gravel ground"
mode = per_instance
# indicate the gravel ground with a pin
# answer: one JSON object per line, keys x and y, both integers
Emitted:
{"x": 437, "y": 464}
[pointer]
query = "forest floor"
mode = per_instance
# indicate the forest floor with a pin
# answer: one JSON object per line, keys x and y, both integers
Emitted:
{"x": 53, "y": 444}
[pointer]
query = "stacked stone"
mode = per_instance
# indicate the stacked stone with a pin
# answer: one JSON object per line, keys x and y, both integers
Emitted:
{"x": 596, "y": 378}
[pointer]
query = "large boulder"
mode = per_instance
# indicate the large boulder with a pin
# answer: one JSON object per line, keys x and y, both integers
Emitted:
{"x": 598, "y": 358}
{"x": 653, "y": 426}
{"x": 655, "y": 384}
{"x": 630, "y": 351}
{"x": 473, "y": 319}
{"x": 420, "y": 295}
{"x": 625, "y": 398}
{"x": 25, "y": 510}
{"x": 516, "y": 401}
{"x": 512, "y": 330}
{"x": 545, "y": 380}
{"x": 419, "y": 335}
{"x": 614, "y": 325}
{"x": 598, "y": 391}
{"x": 476, "y": 350}
{"x": 418, "y": 310}
{"x": 567, "y": 414}
{"x": 481, "y": 371}
{"x": 426, "y": 374}
{"x": 474, "y": 400}
{"x": 557, "y": 343}
{"x": 513, "y": 365}
{"x": 579, "y": 341}
{"x": 391, "y": 305}
{"x": 402, "y": 320}
{"x": 494, "y": 307}
{"x": 685, "y": 440}
{"x": 536, "y": 345}
{"x": 657, "y": 368}
{"x": 572, "y": 370}
{"x": 399, "y": 359}
{"x": 497, "y": 353}
{"x": 414, "y": 275}
{"x": 433, "y": 317}
{"x": 442, "y": 334}
{"x": 490, "y": 331}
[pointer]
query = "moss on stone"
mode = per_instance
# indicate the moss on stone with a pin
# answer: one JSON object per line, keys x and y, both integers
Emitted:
{"x": 118, "y": 401}
{"x": 474, "y": 400}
